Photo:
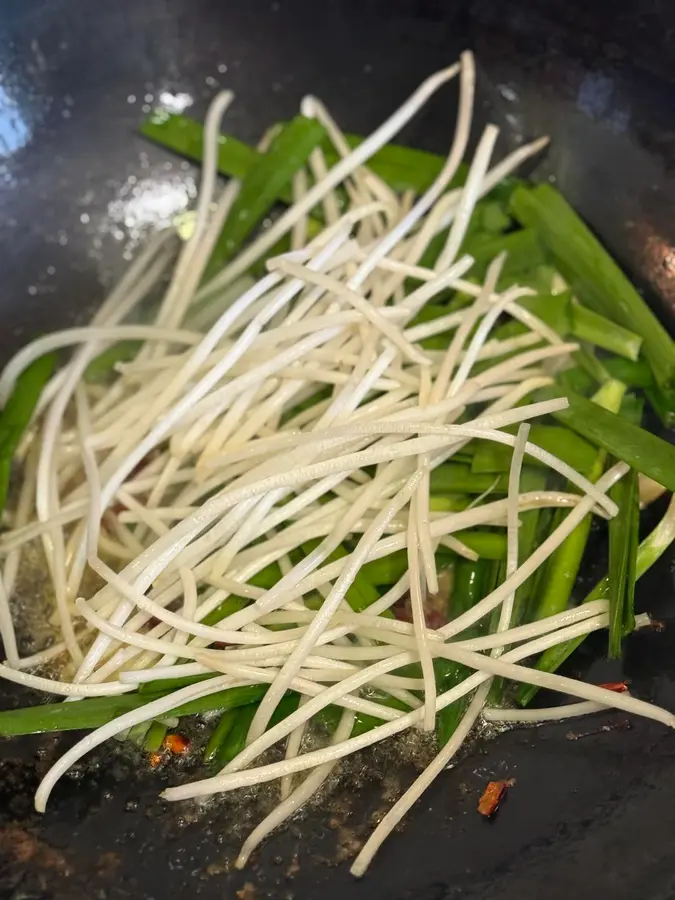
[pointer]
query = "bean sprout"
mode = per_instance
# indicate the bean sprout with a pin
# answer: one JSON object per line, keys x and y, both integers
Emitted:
{"x": 218, "y": 509}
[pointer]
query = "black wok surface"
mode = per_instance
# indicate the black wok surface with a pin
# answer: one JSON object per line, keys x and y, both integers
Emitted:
{"x": 79, "y": 190}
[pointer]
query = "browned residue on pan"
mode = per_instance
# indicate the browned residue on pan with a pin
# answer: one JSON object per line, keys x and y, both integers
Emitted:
{"x": 614, "y": 725}
{"x": 20, "y": 846}
{"x": 108, "y": 864}
{"x": 293, "y": 867}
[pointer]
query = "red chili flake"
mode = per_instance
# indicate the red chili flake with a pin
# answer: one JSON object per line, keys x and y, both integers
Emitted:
{"x": 155, "y": 759}
{"x": 492, "y": 796}
{"x": 619, "y": 687}
{"x": 176, "y": 743}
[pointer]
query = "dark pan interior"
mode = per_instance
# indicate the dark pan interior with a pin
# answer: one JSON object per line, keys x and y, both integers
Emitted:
{"x": 79, "y": 190}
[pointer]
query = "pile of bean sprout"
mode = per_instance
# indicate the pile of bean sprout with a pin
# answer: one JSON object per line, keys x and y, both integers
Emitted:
{"x": 199, "y": 465}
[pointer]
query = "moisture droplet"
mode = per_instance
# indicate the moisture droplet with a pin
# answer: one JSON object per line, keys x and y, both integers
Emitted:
{"x": 507, "y": 92}
{"x": 84, "y": 218}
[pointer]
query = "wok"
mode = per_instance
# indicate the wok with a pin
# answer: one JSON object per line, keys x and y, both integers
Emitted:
{"x": 79, "y": 190}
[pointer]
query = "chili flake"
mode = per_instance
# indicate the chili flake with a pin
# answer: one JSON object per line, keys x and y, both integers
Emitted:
{"x": 176, "y": 743}
{"x": 619, "y": 687}
{"x": 493, "y": 795}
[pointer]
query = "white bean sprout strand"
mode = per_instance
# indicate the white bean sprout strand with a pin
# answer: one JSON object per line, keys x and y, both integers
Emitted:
{"x": 7, "y": 631}
{"x": 337, "y": 693}
{"x": 336, "y": 175}
{"x": 415, "y": 791}
{"x": 297, "y": 798}
{"x": 214, "y": 506}
{"x": 504, "y": 667}
{"x": 548, "y": 714}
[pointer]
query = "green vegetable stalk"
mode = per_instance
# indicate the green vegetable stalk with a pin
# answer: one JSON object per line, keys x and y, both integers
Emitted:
{"x": 643, "y": 451}
{"x": 96, "y": 711}
{"x": 596, "y": 329}
{"x": 530, "y": 480}
{"x": 219, "y": 734}
{"x": 263, "y": 185}
{"x": 490, "y": 457}
{"x": 472, "y": 581}
{"x": 17, "y": 414}
{"x": 563, "y": 566}
{"x": 457, "y": 478}
{"x": 402, "y": 168}
{"x": 154, "y": 737}
{"x": 597, "y": 279}
{"x": 650, "y": 550}
{"x": 103, "y": 365}
{"x": 623, "y": 545}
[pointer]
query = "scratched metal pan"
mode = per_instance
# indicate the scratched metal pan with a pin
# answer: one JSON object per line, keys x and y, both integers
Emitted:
{"x": 588, "y": 817}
